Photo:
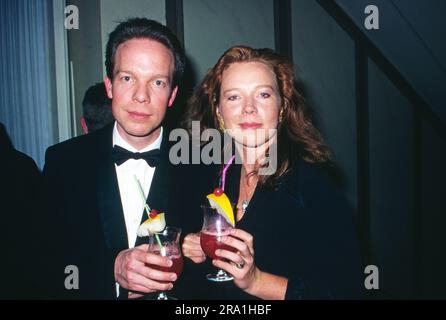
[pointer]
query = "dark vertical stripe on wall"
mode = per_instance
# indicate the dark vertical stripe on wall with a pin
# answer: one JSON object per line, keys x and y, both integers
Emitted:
{"x": 421, "y": 111}
{"x": 418, "y": 197}
{"x": 174, "y": 18}
{"x": 345, "y": 22}
{"x": 362, "y": 52}
{"x": 282, "y": 28}
{"x": 362, "y": 132}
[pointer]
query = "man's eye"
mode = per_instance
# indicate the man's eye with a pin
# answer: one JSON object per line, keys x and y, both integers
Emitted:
{"x": 160, "y": 83}
{"x": 265, "y": 95}
{"x": 126, "y": 78}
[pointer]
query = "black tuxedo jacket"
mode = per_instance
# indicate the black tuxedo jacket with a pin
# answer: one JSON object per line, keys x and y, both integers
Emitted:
{"x": 85, "y": 225}
{"x": 20, "y": 184}
{"x": 303, "y": 230}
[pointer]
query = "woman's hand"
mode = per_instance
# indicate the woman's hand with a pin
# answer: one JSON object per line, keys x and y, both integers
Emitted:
{"x": 240, "y": 264}
{"x": 192, "y": 248}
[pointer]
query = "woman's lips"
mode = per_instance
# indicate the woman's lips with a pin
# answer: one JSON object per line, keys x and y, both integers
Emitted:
{"x": 250, "y": 125}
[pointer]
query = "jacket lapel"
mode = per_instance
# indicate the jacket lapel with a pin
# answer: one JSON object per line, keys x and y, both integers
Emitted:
{"x": 157, "y": 197}
{"x": 109, "y": 202}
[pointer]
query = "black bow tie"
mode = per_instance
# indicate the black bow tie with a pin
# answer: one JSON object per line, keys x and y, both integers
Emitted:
{"x": 121, "y": 155}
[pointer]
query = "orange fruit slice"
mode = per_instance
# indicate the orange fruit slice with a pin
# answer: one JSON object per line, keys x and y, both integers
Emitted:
{"x": 223, "y": 206}
{"x": 152, "y": 225}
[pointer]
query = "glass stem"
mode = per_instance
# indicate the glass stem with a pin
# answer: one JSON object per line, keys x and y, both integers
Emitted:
{"x": 221, "y": 273}
{"x": 162, "y": 296}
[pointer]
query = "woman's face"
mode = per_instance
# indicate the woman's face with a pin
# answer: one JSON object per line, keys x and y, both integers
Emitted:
{"x": 250, "y": 103}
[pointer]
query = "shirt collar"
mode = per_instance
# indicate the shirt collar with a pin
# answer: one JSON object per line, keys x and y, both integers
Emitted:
{"x": 119, "y": 141}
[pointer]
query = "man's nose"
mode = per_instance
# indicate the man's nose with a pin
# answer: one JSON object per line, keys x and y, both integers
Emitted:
{"x": 141, "y": 94}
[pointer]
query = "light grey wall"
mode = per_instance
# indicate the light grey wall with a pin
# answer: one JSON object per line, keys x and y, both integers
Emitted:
{"x": 324, "y": 57}
{"x": 85, "y": 53}
{"x": 392, "y": 224}
{"x": 211, "y": 27}
{"x": 115, "y": 11}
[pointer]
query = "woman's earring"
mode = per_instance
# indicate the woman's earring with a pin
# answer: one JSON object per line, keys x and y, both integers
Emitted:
{"x": 281, "y": 116}
{"x": 221, "y": 122}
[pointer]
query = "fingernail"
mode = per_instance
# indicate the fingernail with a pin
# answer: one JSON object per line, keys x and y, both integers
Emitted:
{"x": 218, "y": 252}
{"x": 174, "y": 277}
{"x": 170, "y": 287}
{"x": 170, "y": 263}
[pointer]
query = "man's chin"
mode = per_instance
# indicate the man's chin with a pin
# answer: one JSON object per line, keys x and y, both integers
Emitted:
{"x": 145, "y": 134}
{"x": 142, "y": 132}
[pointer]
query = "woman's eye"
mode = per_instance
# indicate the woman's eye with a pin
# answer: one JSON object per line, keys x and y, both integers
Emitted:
{"x": 126, "y": 78}
{"x": 232, "y": 98}
{"x": 265, "y": 95}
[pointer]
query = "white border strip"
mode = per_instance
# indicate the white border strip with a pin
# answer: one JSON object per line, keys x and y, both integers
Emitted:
{"x": 64, "y": 116}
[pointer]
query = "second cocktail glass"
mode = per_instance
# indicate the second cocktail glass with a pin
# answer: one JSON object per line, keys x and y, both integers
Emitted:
{"x": 214, "y": 228}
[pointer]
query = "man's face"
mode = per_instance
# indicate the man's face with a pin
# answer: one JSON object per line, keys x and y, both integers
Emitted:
{"x": 141, "y": 89}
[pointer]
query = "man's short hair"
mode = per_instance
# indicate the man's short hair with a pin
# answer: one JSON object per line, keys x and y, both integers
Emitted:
{"x": 142, "y": 28}
{"x": 96, "y": 107}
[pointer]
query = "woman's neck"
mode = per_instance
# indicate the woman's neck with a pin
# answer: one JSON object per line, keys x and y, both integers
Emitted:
{"x": 248, "y": 184}
{"x": 252, "y": 158}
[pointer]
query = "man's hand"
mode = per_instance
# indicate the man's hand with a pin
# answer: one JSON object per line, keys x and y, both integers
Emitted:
{"x": 133, "y": 271}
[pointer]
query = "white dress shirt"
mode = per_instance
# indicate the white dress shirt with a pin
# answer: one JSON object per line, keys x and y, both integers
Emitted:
{"x": 132, "y": 203}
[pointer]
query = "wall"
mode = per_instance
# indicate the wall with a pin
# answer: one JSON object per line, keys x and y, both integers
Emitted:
{"x": 211, "y": 27}
{"x": 84, "y": 53}
{"x": 115, "y": 11}
{"x": 392, "y": 206}
{"x": 324, "y": 57}
{"x": 432, "y": 223}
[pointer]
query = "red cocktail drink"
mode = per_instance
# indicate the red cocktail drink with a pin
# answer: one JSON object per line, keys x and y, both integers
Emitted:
{"x": 166, "y": 244}
{"x": 211, "y": 242}
{"x": 176, "y": 267}
{"x": 215, "y": 227}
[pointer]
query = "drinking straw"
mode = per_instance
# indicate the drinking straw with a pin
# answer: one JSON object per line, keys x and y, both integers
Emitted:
{"x": 225, "y": 169}
{"x": 141, "y": 192}
{"x": 147, "y": 208}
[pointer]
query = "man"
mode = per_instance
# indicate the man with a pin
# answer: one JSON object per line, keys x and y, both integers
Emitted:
{"x": 91, "y": 186}
{"x": 96, "y": 108}
{"x": 19, "y": 197}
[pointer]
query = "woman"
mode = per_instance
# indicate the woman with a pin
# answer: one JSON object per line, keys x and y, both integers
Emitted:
{"x": 294, "y": 219}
